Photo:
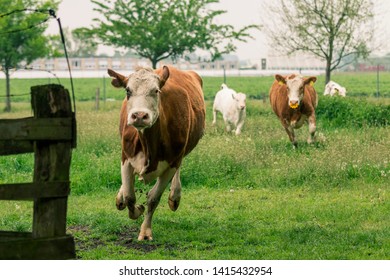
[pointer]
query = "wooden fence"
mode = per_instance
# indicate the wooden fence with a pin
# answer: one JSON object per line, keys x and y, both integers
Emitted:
{"x": 50, "y": 134}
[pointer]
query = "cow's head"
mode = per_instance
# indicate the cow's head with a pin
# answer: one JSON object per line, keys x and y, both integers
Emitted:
{"x": 143, "y": 89}
{"x": 342, "y": 91}
{"x": 295, "y": 87}
{"x": 240, "y": 99}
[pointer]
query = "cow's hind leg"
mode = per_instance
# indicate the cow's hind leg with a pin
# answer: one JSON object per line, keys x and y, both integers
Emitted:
{"x": 126, "y": 194}
{"x": 175, "y": 193}
{"x": 154, "y": 197}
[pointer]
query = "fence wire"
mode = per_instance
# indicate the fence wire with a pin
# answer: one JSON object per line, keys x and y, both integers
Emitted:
{"x": 51, "y": 14}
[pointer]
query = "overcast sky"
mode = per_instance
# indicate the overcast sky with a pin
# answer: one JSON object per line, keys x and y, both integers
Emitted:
{"x": 239, "y": 13}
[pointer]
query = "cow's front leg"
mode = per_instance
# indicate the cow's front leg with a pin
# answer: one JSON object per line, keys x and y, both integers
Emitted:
{"x": 214, "y": 116}
{"x": 154, "y": 196}
{"x": 175, "y": 193}
{"x": 126, "y": 194}
{"x": 290, "y": 132}
{"x": 312, "y": 129}
{"x": 228, "y": 125}
{"x": 239, "y": 127}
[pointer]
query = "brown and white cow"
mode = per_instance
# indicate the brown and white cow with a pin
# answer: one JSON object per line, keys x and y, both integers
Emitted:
{"x": 162, "y": 119}
{"x": 294, "y": 99}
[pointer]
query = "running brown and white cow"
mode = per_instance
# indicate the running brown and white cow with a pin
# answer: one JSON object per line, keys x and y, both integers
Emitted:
{"x": 294, "y": 99}
{"x": 162, "y": 120}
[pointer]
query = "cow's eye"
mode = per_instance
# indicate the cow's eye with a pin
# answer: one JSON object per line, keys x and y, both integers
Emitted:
{"x": 128, "y": 93}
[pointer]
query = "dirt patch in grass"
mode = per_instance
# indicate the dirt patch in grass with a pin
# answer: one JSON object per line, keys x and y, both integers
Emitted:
{"x": 126, "y": 239}
{"x": 83, "y": 238}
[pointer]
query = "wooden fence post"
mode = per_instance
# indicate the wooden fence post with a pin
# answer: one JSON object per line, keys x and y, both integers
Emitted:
{"x": 51, "y": 135}
{"x": 52, "y": 161}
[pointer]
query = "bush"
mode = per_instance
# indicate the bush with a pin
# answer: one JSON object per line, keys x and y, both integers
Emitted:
{"x": 346, "y": 112}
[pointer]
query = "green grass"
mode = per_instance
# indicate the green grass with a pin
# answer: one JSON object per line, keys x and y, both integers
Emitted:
{"x": 245, "y": 197}
{"x": 255, "y": 87}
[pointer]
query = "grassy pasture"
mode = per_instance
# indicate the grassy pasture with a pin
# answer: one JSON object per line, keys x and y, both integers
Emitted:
{"x": 358, "y": 85}
{"x": 245, "y": 197}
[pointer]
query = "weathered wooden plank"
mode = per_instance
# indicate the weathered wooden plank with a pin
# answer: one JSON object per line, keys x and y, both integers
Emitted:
{"x": 31, "y": 191}
{"x": 11, "y": 147}
{"x": 54, "y": 248}
{"x": 36, "y": 129}
{"x": 13, "y": 235}
{"x": 52, "y": 161}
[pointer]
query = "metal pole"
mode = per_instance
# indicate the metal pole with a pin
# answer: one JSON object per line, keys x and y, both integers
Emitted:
{"x": 377, "y": 81}
{"x": 104, "y": 89}
{"x": 97, "y": 98}
{"x": 224, "y": 74}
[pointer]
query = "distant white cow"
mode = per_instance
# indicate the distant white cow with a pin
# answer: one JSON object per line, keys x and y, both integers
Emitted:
{"x": 232, "y": 106}
{"x": 333, "y": 88}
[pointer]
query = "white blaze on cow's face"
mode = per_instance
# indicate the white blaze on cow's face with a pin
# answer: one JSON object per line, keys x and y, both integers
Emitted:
{"x": 143, "y": 90}
{"x": 295, "y": 88}
{"x": 143, "y": 95}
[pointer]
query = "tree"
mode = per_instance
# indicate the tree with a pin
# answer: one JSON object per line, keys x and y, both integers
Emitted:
{"x": 333, "y": 30}
{"x": 22, "y": 39}
{"x": 158, "y": 29}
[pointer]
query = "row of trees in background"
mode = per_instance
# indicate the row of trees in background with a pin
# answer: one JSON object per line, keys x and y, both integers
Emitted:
{"x": 157, "y": 29}
{"x": 337, "y": 31}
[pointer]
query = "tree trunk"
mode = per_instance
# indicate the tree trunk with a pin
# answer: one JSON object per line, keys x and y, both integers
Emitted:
{"x": 154, "y": 63}
{"x": 328, "y": 72}
{"x": 8, "y": 91}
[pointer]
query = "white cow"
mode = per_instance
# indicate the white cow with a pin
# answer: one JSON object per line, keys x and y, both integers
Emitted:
{"x": 232, "y": 106}
{"x": 333, "y": 88}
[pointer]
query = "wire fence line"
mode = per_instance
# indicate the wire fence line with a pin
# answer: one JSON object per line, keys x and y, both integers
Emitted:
{"x": 50, "y": 14}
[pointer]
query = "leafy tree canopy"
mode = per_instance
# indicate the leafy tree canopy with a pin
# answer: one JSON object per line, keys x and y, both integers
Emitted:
{"x": 22, "y": 24}
{"x": 158, "y": 29}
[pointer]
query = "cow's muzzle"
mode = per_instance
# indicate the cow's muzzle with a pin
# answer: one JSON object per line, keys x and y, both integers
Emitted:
{"x": 140, "y": 120}
{"x": 294, "y": 104}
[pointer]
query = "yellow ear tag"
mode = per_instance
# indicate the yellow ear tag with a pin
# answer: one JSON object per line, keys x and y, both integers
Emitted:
{"x": 281, "y": 83}
{"x": 311, "y": 83}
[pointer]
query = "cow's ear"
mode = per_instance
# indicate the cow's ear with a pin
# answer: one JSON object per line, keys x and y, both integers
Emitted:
{"x": 164, "y": 76}
{"x": 118, "y": 80}
{"x": 310, "y": 81}
{"x": 281, "y": 80}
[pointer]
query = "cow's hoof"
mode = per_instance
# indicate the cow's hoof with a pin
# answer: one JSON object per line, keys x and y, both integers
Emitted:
{"x": 120, "y": 203}
{"x": 174, "y": 204}
{"x": 145, "y": 235}
{"x": 310, "y": 141}
{"x": 136, "y": 211}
